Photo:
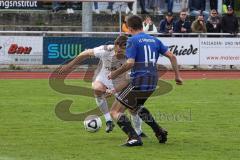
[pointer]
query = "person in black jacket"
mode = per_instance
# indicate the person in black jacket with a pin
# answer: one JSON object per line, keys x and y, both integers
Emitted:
{"x": 182, "y": 25}
{"x": 229, "y": 3}
{"x": 230, "y": 22}
{"x": 198, "y": 7}
{"x": 166, "y": 25}
{"x": 213, "y": 23}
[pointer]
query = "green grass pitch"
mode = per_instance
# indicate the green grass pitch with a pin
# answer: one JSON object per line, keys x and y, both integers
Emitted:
{"x": 202, "y": 117}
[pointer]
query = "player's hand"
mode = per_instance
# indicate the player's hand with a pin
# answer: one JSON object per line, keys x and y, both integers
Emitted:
{"x": 112, "y": 75}
{"x": 179, "y": 81}
{"x": 109, "y": 92}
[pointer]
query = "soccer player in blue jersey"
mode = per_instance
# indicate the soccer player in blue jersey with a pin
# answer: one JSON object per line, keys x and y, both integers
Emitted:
{"x": 142, "y": 53}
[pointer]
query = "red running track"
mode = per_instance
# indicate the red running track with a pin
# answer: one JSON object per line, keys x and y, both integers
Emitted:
{"x": 169, "y": 75}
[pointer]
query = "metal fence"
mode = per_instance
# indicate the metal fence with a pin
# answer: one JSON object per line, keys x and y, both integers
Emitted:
{"x": 107, "y": 34}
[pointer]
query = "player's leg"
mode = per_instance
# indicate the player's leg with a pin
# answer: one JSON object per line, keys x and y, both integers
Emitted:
{"x": 117, "y": 112}
{"x": 135, "y": 100}
{"x": 147, "y": 117}
{"x": 99, "y": 91}
{"x": 137, "y": 123}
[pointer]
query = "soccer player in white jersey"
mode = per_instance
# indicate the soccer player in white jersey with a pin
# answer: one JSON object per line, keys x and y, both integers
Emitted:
{"x": 111, "y": 57}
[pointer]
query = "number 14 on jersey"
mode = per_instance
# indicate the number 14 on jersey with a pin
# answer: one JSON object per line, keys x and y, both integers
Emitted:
{"x": 150, "y": 57}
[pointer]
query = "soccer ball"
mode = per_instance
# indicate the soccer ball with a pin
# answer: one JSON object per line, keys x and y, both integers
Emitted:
{"x": 92, "y": 123}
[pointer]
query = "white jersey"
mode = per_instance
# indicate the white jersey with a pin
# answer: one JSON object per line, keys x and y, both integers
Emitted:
{"x": 109, "y": 63}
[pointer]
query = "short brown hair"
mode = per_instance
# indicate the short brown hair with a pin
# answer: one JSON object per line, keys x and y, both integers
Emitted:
{"x": 183, "y": 10}
{"x": 121, "y": 41}
{"x": 135, "y": 22}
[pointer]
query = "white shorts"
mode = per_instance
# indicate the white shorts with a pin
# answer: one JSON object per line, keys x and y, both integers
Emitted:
{"x": 102, "y": 77}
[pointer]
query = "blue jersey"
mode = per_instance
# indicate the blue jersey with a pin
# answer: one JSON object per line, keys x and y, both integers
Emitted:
{"x": 145, "y": 50}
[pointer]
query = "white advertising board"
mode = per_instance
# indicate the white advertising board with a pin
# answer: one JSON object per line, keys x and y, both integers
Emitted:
{"x": 21, "y": 50}
{"x": 186, "y": 49}
{"x": 220, "y": 51}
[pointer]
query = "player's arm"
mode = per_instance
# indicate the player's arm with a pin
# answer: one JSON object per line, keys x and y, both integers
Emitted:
{"x": 131, "y": 52}
{"x": 82, "y": 56}
{"x": 174, "y": 63}
{"x": 124, "y": 68}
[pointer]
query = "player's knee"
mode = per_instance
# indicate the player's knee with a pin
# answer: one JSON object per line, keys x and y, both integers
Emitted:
{"x": 114, "y": 114}
{"x": 97, "y": 84}
{"x": 98, "y": 89}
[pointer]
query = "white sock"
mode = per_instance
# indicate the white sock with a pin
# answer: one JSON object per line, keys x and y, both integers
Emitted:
{"x": 107, "y": 117}
{"x": 103, "y": 106}
{"x": 137, "y": 123}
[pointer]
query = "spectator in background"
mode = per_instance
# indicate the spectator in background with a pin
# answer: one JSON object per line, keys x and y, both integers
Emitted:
{"x": 155, "y": 6}
{"x": 214, "y": 4}
{"x": 199, "y": 26}
{"x": 213, "y": 25}
{"x": 167, "y": 24}
{"x": 230, "y": 22}
{"x": 214, "y": 22}
{"x": 148, "y": 25}
{"x": 182, "y": 25}
{"x": 124, "y": 26}
{"x": 129, "y": 8}
{"x": 143, "y": 7}
{"x": 56, "y": 6}
{"x": 169, "y": 5}
{"x": 96, "y": 10}
{"x": 198, "y": 7}
{"x": 227, "y": 3}
{"x": 110, "y": 9}
{"x": 70, "y": 7}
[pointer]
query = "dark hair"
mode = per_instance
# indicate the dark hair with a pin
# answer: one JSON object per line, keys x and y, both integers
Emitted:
{"x": 121, "y": 41}
{"x": 214, "y": 10}
{"x": 184, "y": 10}
{"x": 147, "y": 16}
{"x": 135, "y": 22}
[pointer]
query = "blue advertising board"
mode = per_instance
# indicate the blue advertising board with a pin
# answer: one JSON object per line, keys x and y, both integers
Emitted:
{"x": 57, "y": 50}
